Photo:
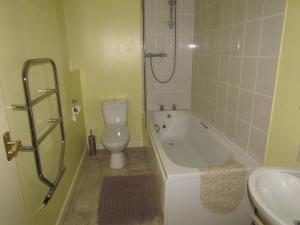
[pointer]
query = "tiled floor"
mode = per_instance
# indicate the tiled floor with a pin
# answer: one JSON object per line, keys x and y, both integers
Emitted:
{"x": 83, "y": 207}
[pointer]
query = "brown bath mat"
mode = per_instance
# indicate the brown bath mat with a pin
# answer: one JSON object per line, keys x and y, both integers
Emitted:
{"x": 127, "y": 200}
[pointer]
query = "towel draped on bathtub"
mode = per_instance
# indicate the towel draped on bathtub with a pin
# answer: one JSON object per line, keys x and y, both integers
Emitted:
{"x": 223, "y": 188}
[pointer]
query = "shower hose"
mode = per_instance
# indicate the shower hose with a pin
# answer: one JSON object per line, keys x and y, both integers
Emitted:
{"x": 174, "y": 59}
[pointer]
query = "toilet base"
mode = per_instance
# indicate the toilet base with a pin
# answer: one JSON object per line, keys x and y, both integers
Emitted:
{"x": 117, "y": 160}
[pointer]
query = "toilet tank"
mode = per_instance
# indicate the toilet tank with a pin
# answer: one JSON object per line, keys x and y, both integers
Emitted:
{"x": 115, "y": 112}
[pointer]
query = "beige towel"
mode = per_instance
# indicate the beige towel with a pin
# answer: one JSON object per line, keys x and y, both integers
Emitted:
{"x": 223, "y": 188}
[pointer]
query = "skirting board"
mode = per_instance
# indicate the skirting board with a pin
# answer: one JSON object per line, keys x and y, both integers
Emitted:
{"x": 61, "y": 217}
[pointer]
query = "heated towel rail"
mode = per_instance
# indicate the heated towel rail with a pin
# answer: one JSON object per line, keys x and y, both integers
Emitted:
{"x": 35, "y": 139}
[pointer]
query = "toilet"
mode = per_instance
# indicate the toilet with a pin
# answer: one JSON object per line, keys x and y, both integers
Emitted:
{"x": 116, "y": 136}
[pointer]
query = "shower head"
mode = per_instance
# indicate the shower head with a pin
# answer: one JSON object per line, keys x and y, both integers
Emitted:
{"x": 172, "y": 2}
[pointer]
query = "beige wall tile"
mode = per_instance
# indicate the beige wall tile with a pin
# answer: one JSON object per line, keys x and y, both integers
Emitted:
{"x": 185, "y": 6}
{"x": 266, "y": 76}
{"x": 254, "y": 9}
{"x": 237, "y": 43}
{"x": 218, "y": 12}
{"x": 245, "y": 105}
{"x": 261, "y": 112}
{"x": 248, "y": 75}
{"x": 200, "y": 5}
{"x": 223, "y": 69}
{"x": 232, "y": 99}
{"x": 230, "y": 126}
{"x": 239, "y": 11}
{"x": 150, "y": 5}
{"x": 235, "y": 71}
{"x": 213, "y": 92}
{"x": 274, "y": 7}
{"x": 257, "y": 144}
{"x": 222, "y": 96}
{"x": 213, "y": 67}
{"x": 226, "y": 41}
{"x": 220, "y": 119}
{"x": 242, "y": 134}
{"x": 212, "y": 109}
{"x": 150, "y": 23}
{"x": 161, "y": 7}
{"x": 252, "y": 38}
{"x": 228, "y": 13}
{"x": 271, "y": 36}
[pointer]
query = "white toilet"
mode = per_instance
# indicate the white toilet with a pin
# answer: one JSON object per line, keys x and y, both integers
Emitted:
{"x": 116, "y": 135}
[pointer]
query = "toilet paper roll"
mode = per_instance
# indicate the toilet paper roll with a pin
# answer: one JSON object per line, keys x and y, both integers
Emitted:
{"x": 75, "y": 111}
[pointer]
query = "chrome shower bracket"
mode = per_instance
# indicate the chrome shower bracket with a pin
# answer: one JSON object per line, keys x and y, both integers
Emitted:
{"x": 172, "y": 4}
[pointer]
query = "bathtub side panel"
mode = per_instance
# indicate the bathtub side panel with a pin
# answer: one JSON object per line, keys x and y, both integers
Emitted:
{"x": 156, "y": 170}
{"x": 184, "y": 206}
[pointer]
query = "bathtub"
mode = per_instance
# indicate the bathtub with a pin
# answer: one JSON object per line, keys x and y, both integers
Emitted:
{"x": 179, "y": 144}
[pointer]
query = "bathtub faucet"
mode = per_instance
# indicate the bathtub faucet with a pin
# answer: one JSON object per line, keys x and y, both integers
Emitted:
{"x": 161, "y": 107}
{"x": 174, "y": 107}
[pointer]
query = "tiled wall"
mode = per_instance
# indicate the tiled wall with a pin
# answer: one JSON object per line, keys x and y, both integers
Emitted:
{"x": 234, "y": 67}
{"x": 159, "y": 38}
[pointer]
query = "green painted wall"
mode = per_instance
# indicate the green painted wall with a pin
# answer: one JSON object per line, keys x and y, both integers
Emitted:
{"x": 104, "y": 40}
{"x": 284, "y": 136}
{"x": 35, "y": 29}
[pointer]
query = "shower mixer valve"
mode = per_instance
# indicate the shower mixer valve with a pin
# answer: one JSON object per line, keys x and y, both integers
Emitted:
{"x": 160, "y": 54}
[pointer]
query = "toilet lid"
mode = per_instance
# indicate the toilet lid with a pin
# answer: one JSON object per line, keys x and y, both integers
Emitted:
{"x": 115, "y": 134}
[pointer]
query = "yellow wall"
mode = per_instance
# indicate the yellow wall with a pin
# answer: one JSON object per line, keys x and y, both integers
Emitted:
{"x": 34, "y": 29}
{"x": 284, "y": 136}
{"x": 104, "y": 40}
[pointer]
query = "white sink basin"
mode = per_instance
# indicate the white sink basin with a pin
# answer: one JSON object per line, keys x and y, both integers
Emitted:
{"x": 276, "y": 194}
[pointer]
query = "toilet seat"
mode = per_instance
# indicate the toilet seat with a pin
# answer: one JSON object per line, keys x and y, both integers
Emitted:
{"x": 115, "y": 134}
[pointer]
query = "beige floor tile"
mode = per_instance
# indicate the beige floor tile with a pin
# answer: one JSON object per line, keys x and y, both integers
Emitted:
{"x": 92, "y": 165}
{"x": 137, "y": 166}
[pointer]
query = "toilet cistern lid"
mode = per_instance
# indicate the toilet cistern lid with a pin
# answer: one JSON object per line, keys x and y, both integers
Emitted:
{"x": 115, "y": 134}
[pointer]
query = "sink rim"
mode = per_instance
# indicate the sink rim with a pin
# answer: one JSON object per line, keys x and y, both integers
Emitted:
{"x": 259, "y": 203}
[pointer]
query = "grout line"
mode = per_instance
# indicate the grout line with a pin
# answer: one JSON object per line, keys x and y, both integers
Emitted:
{"x": 219, "y": 63}
{"x": 256, "y": 77}
{"x": 228, "y": 77}
{"x": 241, "y": 69}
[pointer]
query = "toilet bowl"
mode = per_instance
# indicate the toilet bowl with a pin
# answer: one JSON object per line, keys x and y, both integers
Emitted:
{"x": 115, "y": 140}
{"x": 116, "y": 136}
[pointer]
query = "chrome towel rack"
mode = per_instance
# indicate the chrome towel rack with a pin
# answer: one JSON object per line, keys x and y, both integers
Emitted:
{"x": 35, "y": 139}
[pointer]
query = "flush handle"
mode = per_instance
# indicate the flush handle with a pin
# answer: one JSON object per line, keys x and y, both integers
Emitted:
{"x": 11, "y": 147}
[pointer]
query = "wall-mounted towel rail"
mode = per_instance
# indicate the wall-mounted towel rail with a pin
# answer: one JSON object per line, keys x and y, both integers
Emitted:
{"x": 35, "y": 139}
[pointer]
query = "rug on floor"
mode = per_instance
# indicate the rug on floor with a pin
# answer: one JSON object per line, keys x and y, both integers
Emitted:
{"x": 127, "y": 200}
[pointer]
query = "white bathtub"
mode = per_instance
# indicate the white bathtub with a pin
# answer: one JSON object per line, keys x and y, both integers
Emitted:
{"x": 180, "y": 143}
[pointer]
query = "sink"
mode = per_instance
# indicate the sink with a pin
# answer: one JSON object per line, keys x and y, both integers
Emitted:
{"x": 275, "y": 193}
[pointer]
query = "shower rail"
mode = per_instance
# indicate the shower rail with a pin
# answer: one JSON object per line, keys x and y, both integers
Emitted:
{"x": 35, "y": 139}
